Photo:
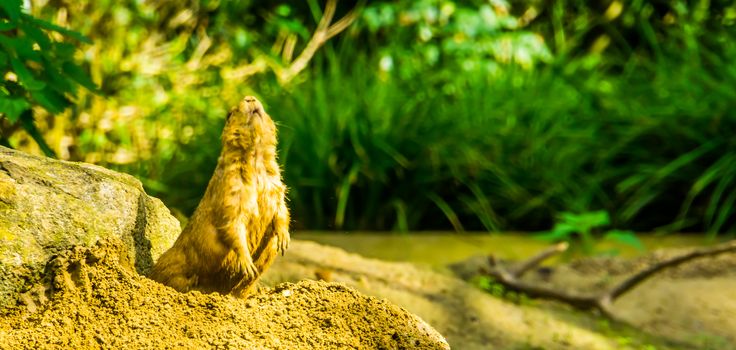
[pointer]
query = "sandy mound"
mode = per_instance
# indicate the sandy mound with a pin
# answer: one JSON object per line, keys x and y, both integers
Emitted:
{"x": 95, "y": 301}
{"x": 48, "y": 206}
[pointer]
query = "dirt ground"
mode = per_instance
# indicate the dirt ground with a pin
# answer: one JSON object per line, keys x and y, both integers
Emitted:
{"x": 95, "y": 302}
{"x": 689, "y": 307}
{"x": 694, "y": 303}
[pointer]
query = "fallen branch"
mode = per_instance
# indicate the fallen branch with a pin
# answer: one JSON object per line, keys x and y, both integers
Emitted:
{"x": 537, "y": 259}
{"x": 603, "y": 301}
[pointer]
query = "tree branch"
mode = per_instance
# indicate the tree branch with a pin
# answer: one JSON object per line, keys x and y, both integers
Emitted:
{"x": 285, "y": 44}
{"x": 324, "y": 32}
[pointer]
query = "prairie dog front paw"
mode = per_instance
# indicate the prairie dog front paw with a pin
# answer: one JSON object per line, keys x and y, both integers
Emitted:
{"x": 240, "y": 264}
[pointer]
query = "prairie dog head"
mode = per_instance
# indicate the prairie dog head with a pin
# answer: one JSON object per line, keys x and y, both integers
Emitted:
{"x": 248, "y": 126}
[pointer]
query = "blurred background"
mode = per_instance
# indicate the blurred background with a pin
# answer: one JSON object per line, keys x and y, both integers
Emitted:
{"x": 584, "y": 120}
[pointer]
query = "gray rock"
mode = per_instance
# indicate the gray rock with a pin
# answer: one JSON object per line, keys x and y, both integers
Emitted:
{"x": 47, "y": 206}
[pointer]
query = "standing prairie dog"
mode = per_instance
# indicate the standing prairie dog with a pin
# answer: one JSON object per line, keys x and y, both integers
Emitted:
{"x": 242, "y": 221}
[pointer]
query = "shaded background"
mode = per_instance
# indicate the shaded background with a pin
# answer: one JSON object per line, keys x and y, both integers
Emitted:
{"x": 422, "y": 115}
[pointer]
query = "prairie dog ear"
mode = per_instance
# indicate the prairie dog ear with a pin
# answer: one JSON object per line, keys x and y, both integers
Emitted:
{"x": 229, "y": 114}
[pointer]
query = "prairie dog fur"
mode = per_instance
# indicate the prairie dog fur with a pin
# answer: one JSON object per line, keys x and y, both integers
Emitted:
{"x": 242, "y": 221}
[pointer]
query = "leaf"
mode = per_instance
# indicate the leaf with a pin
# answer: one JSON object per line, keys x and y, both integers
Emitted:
{"x": 447, "y": 210}
{"x": 29, "y": 125}
{"x": 50, "y": 26}
{"x": 484, "y": 210}
{"x": 553, "y": 235}
{"x": 626, "y": 237}
{"x": 77, "y": 74}
{"x": 37, "y": 35}
{"x": 725, "y": 182}
{"x": 596, "y": 218}
{"x": 635, "y": 205}
{"x": 11, "y": 8}
{"x": 51, "y": 100}
{"x": 402, "y": 223}
{"x": 343, "y": 195}
{"x": 22, "y": 46}
{"x": 561, "y": 230}
{"x": 293, "y": 26}
{"x": 725, "y": 213}
{"x": 25, "y": 76}
{"x": 64, "y": 51}
{"x": 56, "y": 81}
{"x": 283, "y": 10}
{"x": 393, "y": 153}
{"x": 13, "y": 107}
{"x": 5, "y": 26}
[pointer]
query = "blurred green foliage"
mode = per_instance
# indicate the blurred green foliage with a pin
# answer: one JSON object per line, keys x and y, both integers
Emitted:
{"x": 585, "y": 230}
{"x": 427, "y": 115}
{"x": 450, "y": 37}
{"x": 37, "y": 62}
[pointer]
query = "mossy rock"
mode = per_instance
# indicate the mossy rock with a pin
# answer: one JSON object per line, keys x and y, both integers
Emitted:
{"x": 48, "y": 206}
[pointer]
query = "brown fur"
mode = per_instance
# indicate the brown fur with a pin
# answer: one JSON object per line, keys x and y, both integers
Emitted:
{"x": 242, "y": 221}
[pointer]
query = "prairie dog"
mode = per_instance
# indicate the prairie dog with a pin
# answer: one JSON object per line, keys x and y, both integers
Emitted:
{"x": 242, "y": 222}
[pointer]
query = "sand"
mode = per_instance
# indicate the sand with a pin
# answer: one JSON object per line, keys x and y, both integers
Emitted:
{"x": 96, "y": 301}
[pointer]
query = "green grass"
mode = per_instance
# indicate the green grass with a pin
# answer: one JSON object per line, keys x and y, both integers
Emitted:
{"x": 642, "y": 129}
{"x": 362, "y": 150}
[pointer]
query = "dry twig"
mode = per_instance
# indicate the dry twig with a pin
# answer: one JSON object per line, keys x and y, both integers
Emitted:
{"x": 284, "y": 46}
{"x": 603, "y": 301}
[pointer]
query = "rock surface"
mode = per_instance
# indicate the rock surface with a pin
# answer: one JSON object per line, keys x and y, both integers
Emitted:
{"x": 47, "y": 206}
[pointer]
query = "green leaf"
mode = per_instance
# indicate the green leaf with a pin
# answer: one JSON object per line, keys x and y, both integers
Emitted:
{"x": 584, "y": 222}
{"x": 13, "y": 107}
{"x": 25, "y": 76}
{"x": 22, "y": 46}
{"x": 38, "y": 36}
{"x": 77, "y": 74}
{"x": 447, "y": 210}
{"x": 725, "y": 213}
{"x": 64, "y": 51}
{"x": 626, "y": 237}
{"x": 51, "y": 100}
{"x": 293, "y": 26}
{"x": 343, "y": 194}
{"x": 26, "y": 120}
{"x": 402, "y": 223}
{"x": 58, "y": 29}
{"x": 5, "y": 26}
{"x": 553, "y": 236}
{"x": 11, "y": 8}
{"x": 56, "y": 81}
{"x": 283, "y": 10}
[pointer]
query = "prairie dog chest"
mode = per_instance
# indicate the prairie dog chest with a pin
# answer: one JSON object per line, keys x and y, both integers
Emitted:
{"x": 268, "y": 194}
{"x": 256, "y": 194}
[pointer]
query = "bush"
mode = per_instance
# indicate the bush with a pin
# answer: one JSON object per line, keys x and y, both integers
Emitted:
{"x": 453, "y": 115}
{"x": 38, "y": 65}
